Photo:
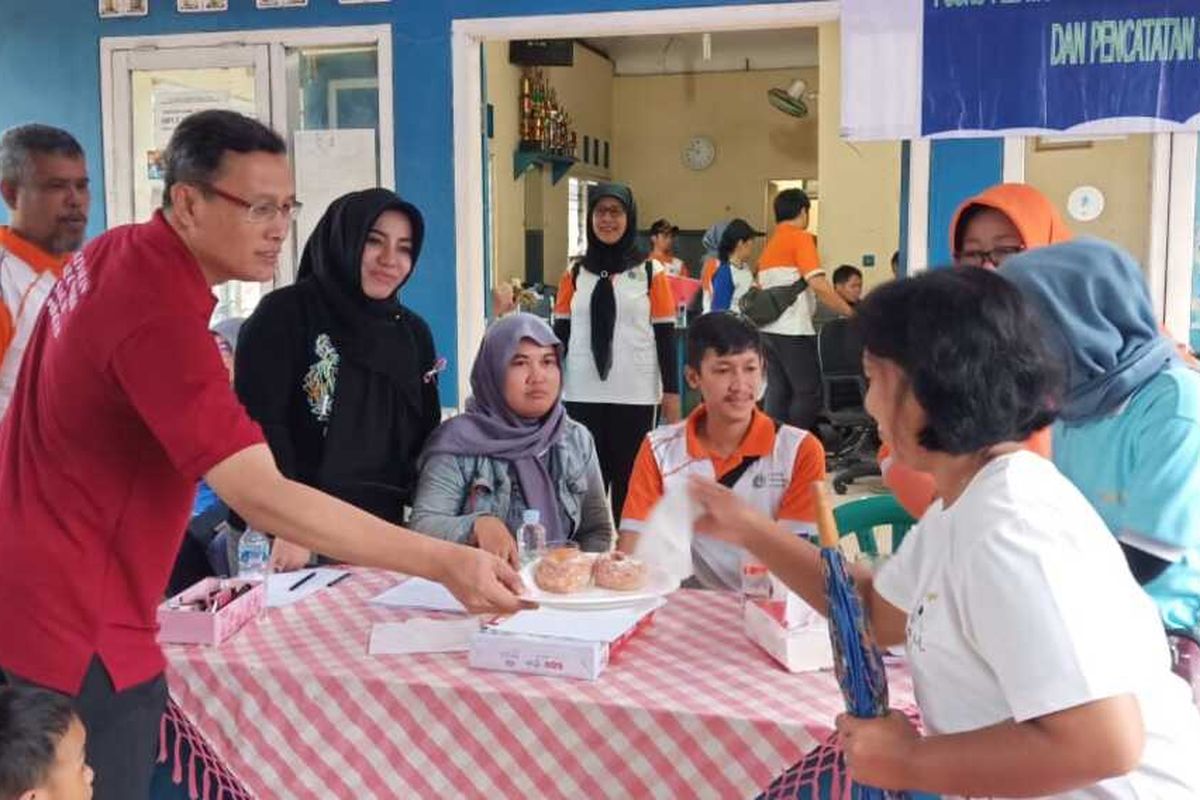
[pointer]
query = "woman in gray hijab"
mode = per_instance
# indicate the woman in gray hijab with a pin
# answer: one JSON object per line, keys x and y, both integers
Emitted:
{"x": 1128, "y": 434}
{"x": 513, "y": 449}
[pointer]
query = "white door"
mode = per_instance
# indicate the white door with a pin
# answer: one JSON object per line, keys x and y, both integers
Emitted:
{"x": 327, "y": 91}
{"x": 153, "y": 89}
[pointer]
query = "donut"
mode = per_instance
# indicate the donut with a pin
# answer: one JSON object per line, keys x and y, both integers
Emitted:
{"x": 621, "y": 572}
{"x": 563, "y": 570}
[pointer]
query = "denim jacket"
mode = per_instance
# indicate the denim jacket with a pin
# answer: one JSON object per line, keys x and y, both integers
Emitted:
{"x": 454, "y": 490}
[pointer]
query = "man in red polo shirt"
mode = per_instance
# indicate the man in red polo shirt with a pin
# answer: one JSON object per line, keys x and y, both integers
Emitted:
{"x": 121, "y": 406}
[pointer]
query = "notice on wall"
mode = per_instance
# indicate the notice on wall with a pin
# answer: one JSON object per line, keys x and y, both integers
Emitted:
{"x": 328, "y": 165}
{"x": 172, "y": 104}
{"x": 122, "y": 8}
{"x": 200, "y": 6}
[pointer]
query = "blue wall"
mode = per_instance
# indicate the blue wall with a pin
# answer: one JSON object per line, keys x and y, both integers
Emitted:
{"x": 958, "y": 169}
{"x": 50, "y": 63}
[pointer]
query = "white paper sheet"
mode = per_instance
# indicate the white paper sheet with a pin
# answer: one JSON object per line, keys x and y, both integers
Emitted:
{"x": 330, "y": 163}
{"x": 666, "y": 540}
{"x": 419, "y": 593}
{"x": 585, "y": 626}
{"x": 422, "y": 636}
{"x": 280, "y": 593}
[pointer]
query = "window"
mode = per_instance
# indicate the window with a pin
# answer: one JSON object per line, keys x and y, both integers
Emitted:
{"x": 577, "y": 190}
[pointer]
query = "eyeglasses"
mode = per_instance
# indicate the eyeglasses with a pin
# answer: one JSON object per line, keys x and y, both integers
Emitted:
{"x": 261, "y": 212}
{"x": 996, "y": 256}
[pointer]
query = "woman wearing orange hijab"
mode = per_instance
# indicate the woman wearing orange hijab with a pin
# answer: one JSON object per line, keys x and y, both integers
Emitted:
{"x": 986, "y": 229}
{"x": 1000, "y": 222}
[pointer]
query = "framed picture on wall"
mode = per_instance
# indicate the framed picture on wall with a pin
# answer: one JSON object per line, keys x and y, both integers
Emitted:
{"x": 122, "y": 8}
{"x": 199, "y": 6}
{"x": 281, "y": 3}
{"x": 360, "y": 2}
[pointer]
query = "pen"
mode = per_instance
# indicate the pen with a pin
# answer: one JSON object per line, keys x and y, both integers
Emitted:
{"x": 302, "y": 581}
{"x": 338, "y": 579}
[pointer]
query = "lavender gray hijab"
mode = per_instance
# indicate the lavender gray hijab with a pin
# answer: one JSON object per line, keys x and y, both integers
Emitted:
{"x": 489, "y": 427}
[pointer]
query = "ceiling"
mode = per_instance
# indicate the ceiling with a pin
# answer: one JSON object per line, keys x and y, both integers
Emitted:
{"x": 732, "y": 50}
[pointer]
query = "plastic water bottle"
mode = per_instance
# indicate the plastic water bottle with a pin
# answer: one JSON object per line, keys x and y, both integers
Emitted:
{"x": 531, "y": 537}
{"x": 756, "y": 581}
{"x": 253, "y": 552}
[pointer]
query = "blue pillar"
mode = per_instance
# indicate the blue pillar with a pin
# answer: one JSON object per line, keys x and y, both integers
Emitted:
{"x": 958, "y": 169}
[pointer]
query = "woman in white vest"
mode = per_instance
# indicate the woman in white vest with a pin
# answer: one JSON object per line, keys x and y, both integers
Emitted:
{"x": 616, "y": 314}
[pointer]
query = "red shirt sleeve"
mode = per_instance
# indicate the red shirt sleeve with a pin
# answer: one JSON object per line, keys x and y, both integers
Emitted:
{"x": 171, "y": 372}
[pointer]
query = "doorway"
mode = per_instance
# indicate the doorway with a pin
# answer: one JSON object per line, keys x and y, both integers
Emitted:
{"x": 467, "y": 39}
{"x": 1138, "y": 191}
{"x": 327, "y": 91}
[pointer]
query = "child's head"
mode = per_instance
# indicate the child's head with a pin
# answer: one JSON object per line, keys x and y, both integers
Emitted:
{"x": 956, "y": 363}
{"x": 663, "y": 235}
{"x": 42, "y": 753}
{"x": 725, "y": 364}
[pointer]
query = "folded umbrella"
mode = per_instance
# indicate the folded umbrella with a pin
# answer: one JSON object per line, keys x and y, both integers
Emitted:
{"x": 858, "y": 664}
{"x": 857, "y": 661}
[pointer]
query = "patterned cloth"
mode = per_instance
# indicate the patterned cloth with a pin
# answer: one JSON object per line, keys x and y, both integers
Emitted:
{"x": 180, "y": 745}
{"x": 690, "y": 708}
{"x": 821, "y": 775}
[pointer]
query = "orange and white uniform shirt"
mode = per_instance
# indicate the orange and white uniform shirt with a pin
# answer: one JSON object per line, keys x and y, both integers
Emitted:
{"x": 706, "y": 276}
{"x": 790, "y": 254}
{"x": 772, "y": 469}
{"x": 672, "y": 266}
{"x": 27, "y": 273}
{"x": 634, "y": 378}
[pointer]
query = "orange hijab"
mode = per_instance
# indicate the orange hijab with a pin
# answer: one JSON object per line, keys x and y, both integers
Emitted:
{"x": 1031, "y": 212}
{"x": 1040, "y": 224}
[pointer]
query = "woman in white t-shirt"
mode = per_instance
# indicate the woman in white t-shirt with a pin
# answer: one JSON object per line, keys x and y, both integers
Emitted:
{"x": 1040, "y": 666}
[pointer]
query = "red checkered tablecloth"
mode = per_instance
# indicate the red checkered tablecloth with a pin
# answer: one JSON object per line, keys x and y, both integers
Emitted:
{"x": 690, "y": 708}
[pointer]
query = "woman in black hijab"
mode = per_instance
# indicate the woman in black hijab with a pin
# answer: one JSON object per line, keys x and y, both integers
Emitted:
{"x": 338, "y": 373}
{"x": 616, "y": 314}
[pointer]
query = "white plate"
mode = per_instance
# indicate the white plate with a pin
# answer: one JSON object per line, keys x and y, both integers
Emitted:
{"x": 658, "y": 584}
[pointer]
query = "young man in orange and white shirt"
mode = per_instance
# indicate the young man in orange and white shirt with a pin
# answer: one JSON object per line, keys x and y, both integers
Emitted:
{"x": 662, "y": 249}
{"x": 44, "y": 183}
{"x": 728, "y": 439}
{"x": 794, "y": 373}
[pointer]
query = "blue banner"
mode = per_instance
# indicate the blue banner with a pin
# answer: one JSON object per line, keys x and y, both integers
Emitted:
{"x": 993, "y": 65}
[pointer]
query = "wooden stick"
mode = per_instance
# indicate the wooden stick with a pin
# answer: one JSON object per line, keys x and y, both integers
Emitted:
{"x": 826, "y": 524}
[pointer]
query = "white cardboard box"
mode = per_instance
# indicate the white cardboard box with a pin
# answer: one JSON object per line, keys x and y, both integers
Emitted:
{"x": 537, "y": 655}
{"x": 548, "y": 655}
{"x": 803, "y": 648}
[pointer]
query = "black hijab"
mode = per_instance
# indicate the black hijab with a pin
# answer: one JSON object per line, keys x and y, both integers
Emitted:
{"x": 604, "y": 261}
{"x": 367, "y": 333}
{"x": 380, "y": 413}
